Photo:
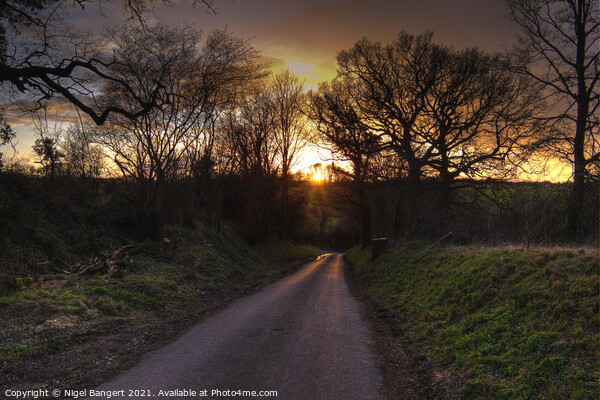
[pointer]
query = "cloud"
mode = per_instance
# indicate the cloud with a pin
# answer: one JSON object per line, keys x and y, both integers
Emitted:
{"x": 59, "y": 114}
{"x": 274, "y": 63}
{"x": 57, "y": 111}
{"x": 300, "y": 69}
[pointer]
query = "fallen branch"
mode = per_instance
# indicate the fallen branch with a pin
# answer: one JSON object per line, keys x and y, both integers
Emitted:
{"x": 108, "y": 261}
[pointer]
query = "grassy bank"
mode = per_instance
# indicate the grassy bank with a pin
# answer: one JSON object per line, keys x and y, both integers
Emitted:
{"x": 194, "y": 271}
{"x": 512, "y": 324}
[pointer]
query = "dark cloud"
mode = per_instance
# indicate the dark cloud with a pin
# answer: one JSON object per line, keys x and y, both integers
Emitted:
{"x": 336, "y": 24}
{"x": 312, "y": 32}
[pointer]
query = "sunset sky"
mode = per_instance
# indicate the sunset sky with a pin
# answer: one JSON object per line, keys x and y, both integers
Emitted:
{"x": 305, "y": 36}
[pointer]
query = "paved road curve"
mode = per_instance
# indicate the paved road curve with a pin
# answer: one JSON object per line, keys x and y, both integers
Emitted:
{"x": 301, "y": 336}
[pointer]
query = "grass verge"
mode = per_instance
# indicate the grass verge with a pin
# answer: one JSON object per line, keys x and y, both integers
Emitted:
{"x": 513, "y": 324}
{"x": 75, "y": 330}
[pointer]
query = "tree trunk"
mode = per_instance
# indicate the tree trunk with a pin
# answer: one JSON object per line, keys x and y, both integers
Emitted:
{"x": 445, "y": 178}
{"x": 149, "y": 212}
{"x": 575, "y": 222}
{"x": 413, "y": 206}
{"x": 284, "y": 203}
{"x": 364, "y": 217}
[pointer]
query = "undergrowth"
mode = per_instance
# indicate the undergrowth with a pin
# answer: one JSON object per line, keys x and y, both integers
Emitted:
{"x": 155, "y": 279}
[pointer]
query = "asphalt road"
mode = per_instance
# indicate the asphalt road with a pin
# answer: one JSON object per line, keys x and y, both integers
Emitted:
{"x": 301, "y": 336}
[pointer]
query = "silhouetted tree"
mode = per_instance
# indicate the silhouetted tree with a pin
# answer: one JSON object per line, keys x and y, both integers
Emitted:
{"x": 82, "y": 157}
{"x": 444, "y": 113}
{"x": 345, "y": 133}
{"x": 6, "y": 136}
{"x": 249, "y": 130}
{"x": 47, "y": 150}
{"x": 476, "y": 113}
{"x": 46, "y": 146}
{"x": 558, "y": 45}
{"x": 392, "y": 84}
{"x": 290, "y": 132}
{"x": 150, "y": 149}
{"x": 43, "y": 55}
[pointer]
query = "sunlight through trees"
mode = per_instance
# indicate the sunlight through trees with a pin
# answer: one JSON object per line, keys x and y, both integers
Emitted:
{"x": 418, "y": 138}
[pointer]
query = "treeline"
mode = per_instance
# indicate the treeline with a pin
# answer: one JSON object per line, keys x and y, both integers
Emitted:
{"x": 437, "y": 140}
{"x": 427, "y": 140}
{"x": 224, "y": 142}
{"x": 438, "y": 137}
{"x": 489, "y": 212}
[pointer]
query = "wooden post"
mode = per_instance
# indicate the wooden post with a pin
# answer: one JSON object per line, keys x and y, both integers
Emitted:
{"x": 377, "y": 247}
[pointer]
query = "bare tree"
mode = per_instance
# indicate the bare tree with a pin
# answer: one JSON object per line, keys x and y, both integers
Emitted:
{"x": 43, "y": 55}
{"x": 395, "y": 79}
{"x": 444, "y": 113}
{"x": 288, "y": 101}
{"x": 82, "y": 157}
{"x": 476, "y": 113}
{"x": 249, "y": 127}
{"x": 46, "y": 148}
{"x": 151, "y": 148}
{"x": 558, "y": 46}
{"x": 392, "y": 83}
{"x": 344, "y": 132}
{"x": 248, "y": 130}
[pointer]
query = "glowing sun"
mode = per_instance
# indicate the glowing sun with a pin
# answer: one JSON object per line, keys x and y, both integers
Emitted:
{"x": 318, "y": 176}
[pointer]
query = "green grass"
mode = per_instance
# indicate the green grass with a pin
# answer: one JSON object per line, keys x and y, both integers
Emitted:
{"x": 154, "y": 278}
{"x": 136, "y": 300}
{"x": 282, "y": 251}
{"x": 518, "y": 324}
{"x": 18, "y": 350}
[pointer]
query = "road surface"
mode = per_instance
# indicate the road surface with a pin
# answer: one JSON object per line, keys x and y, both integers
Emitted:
{"x": 301, "y": 336}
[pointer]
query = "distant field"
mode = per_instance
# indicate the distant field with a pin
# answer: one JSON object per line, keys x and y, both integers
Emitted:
{"x": 512, "y": 324}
